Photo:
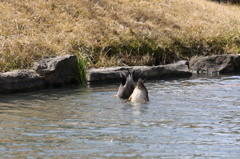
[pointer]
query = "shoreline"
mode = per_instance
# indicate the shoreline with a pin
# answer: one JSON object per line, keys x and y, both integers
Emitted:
{"x": 62, "y": 71}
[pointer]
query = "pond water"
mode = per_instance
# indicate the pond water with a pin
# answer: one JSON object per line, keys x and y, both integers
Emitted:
{"x": 186, "y": 118}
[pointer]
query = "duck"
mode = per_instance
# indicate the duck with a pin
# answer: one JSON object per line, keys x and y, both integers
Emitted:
{"x": 140, "y": 93}
{"x": 126, "y": 87}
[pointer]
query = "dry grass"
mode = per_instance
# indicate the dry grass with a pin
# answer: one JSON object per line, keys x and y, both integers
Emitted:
{"x": 117, "y": 32}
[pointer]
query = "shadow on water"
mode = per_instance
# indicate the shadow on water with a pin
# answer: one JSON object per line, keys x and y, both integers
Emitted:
{"x": 196, "y": 117}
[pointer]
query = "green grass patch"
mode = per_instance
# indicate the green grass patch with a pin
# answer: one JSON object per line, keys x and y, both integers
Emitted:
{"x": 82, "y": 65}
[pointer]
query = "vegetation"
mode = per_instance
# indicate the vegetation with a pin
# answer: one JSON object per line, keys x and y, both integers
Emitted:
{"x": 81, "y": 78}
{"x": 117, "y": 32}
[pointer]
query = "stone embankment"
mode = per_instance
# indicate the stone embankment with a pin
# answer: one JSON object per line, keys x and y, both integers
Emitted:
{"x": 222, "y": 64}
{"x": 47, "y": 72}
{"x": 175, "y": 70}
{"x": 63, "y": 70}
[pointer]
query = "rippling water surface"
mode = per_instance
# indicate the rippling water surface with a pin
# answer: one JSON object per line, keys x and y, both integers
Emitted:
{"x": 187, "y": 118}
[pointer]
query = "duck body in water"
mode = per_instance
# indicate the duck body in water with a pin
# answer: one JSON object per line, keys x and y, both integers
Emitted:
{"x": 126, "y": 87}
{"x": 140, "y": 93}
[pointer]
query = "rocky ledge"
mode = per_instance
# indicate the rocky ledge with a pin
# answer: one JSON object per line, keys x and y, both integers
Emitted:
{"x": 63, "y": 70}
{"x": 58, "y": 71}
{"x": 222, "y": 64}
{"x": 175, "y": 70}
{"x": 47, "y": 72}
{"x": 19, "y": 80}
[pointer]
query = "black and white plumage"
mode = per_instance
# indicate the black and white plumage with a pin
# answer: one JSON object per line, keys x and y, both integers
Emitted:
{"x": 126, "y": 87}
{"x": 140, "y": 93}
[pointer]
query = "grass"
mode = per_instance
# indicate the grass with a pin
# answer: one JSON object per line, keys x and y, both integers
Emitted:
{"x": 82, "y": 63}
{"x": 116, "y": 33}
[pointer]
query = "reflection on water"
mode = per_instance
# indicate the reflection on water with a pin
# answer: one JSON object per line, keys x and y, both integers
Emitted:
{"x": 188, "y": 118}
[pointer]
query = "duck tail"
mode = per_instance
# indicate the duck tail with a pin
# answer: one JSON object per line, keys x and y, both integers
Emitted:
{"x": 123, "y": 78}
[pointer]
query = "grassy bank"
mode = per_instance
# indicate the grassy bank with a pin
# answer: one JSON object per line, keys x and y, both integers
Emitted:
{"x": 118, "y": 32}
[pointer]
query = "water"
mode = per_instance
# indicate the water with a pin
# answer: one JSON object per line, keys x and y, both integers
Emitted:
{"x": 187, "y": 118}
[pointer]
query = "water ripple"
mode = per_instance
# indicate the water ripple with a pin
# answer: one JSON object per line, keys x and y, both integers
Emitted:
{"x": 187, "y": 118}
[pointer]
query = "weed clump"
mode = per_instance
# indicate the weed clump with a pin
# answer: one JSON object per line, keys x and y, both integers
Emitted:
{"x": 82, "y": 71}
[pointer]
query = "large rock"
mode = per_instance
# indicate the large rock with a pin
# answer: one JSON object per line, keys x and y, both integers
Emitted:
{"x": 228, "y": 63}
{"x": 150, "y": 72}
{"x": 58, "y": 71}
{"x": 20, "y": 80}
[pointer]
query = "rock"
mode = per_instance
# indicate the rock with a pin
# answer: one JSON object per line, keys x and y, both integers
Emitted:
{"x": 184, "y": 62}
{"x": 149, "y": 72}
{"x": 20, "y": 80}
{"x": 228, "y": 63}
{"x": 58, "y": 71}
{"x": 102, "y": 74}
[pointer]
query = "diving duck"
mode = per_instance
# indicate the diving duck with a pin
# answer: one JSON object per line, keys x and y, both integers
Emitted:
{"x": 140, "y": 93}
{"x": 126, "y": 87}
